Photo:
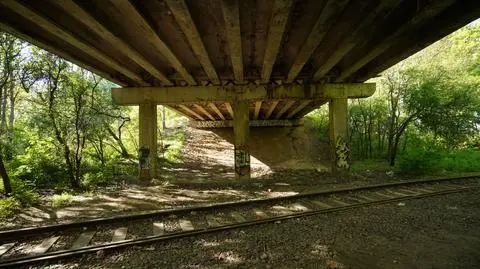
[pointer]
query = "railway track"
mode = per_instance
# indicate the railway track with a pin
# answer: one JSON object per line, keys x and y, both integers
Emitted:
{"x": 30, "y": 245}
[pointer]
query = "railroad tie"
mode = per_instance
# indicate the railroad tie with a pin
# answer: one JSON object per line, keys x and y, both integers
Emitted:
{"x": 212, "y": 221}
{"x": 425, "y": 190}
{"x": 366, "y": 198}
{"x": 384, "y": 195}
{"x": 158, "y": 228}
{"x": 186, "y": 225}
{"x": 6, "y": 247}
{"x": 409, "y": 191}
{"x": 259, "y": 214}
{"x": 342, "y": 203}
{"x": 397, "y": 193}
{"x": 298, "y": 207}
{"x": 119, "y": 234}
{"x": 237, "y": 217}
{"x": 45, "y": 245}
{"x": 321, "y": 204}
{"x": 83, "y": 240}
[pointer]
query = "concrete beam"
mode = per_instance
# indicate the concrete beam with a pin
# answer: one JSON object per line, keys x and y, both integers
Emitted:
{"x": 430, "y": 10}
{"x": 251, "y": 92}
{"x": 251, "y": 123}
{"x": 329, "y": 14}
{"x": 204, "y": 111}
{"x": 182, "y": 15}
{"x": 284, "y": 109}
{"x": 258, "y": 106}
{"x": 126, "y": 9}
{"x": 231, "y": 15}
{"x": 26, "y": 12}
{"x": 69, "y": 6}
{"x": 278, "y": 22}
{"x": 271, "y": 109}
{"x": 215, "y": 108}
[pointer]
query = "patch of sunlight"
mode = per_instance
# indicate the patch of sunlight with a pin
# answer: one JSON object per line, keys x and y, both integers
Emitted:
{"x": 62, "y": 200}
{"x": 321, "y": 251}
{"x": 278, "y": 193}
{"x": 229, "y": 257}
{"x": 232, "y": 241}
{"x": 205, "y": 243}
{"x": 116, "y": 205}
{"x": 31, "y": 218}
{"x": 281, "y": 210}
{"x": 78, "y": 211}
{"x": 37, "y": 212}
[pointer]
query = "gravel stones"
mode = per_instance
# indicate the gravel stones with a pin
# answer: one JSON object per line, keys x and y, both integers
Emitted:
{"x": 421, "y": 234}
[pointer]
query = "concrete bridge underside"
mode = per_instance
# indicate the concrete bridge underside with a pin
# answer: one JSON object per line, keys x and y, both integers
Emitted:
{"x": 236, "y": 63}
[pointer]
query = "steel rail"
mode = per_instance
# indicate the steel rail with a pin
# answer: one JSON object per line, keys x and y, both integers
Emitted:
{"x": 8, "y": 234}
{"x": 156, "y": 238}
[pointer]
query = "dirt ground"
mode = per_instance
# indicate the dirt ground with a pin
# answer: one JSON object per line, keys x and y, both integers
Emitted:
{"x": 440, "y": 232}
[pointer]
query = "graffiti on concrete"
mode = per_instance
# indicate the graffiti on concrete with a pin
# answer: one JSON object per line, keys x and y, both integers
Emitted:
{"x": 242, "y": 162}
{"x": 341, "y": 153}
{"x": 144, "y": 152}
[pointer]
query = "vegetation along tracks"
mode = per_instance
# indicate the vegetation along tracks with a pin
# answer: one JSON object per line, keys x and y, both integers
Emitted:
{"x": 29, "y": 245}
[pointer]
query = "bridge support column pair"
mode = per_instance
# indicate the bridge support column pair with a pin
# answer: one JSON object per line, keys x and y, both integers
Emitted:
{"x": 338, "y": 136}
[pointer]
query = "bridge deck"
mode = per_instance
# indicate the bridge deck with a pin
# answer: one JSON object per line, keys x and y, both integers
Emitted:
{"x": 187, "y": 42}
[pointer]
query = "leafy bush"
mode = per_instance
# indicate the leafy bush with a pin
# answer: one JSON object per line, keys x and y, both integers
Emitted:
{"x": 422, "y": 161}
{"x": 61, "y": 200}
{"x": 40, "y": 164}
{"x": 8, "y": 207}
{"x": 23, "y": 195}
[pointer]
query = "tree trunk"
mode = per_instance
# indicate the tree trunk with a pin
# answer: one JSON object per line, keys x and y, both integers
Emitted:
{"x": 7, "y": 186}
{"x": 11, "y": 120}
{"x": 4, "y": 110}
{"x": 124, "y": 152}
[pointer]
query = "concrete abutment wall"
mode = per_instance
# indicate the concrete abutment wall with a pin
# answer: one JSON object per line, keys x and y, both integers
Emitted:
{"x": 294, "y": 147}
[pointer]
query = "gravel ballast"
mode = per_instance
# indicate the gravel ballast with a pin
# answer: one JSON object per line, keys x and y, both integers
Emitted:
{"x": 437, "y": 232}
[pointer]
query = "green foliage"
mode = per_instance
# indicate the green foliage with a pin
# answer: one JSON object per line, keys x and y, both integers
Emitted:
{"x": 435, "y": 161}
{"x": 62, "y": 200}
{"x": 40, "y": 163}
{"x": 175, "y": 141}
{"x": 23, "y": 195}
{"x": 8, "y": 207}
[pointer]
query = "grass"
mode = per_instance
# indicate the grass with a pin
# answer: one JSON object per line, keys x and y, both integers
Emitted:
{"x": 428, "y": 163}
{"x": 372, "y": 165}
{"x": 175, "y": 142}
{"x": 439, "y": 162}
{"x": 8, "y": 207}
{"x": 62, "y": 200}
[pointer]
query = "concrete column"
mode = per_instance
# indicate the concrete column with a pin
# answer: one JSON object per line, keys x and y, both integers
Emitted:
{"x": 338, "y": 122}
{"x": 240, "y": 133}
{"x": 147, "y": 141}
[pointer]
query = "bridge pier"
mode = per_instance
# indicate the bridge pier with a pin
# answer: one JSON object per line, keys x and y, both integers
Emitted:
{"x": 241, "y": 131}
{"x": 232, "y": 103}
{"x": 147, "y": 141}
{"x": 338, "y": 132}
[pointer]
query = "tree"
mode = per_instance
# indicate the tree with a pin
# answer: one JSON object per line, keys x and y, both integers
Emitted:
{"x": 10, "y": 54}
